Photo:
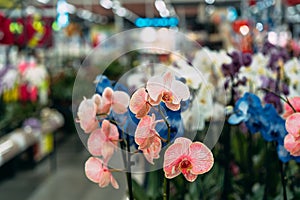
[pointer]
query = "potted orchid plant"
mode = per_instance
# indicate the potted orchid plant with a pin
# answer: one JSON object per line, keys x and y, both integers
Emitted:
{"x": 107, "y": 115}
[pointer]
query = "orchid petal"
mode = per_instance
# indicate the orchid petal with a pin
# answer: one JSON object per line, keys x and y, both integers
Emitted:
{"x": 235, "y": 119}
{"x": 110, "y": 130}
{"x": 157, "y": 101}
{"x": 106, "y": 100}
{"x": 180, "y": 92}
{"x": 143, "y": 129}
{"x": 138, "y": 103}
{"x": 190, "y": 177}
{"x": 173, "y": 107}
{"x": 93, "y": 168}
{"x": 138, "y": 100}
{"x": 104, "y": 178}
{"x": 94, "y": 143}
{"x": 107, "y": 94}
{"x": 108, "y": 149}
{"x": 292, "y": 124}
{"x": 143, "y": 111}
{"x": 113, "y": 182}
{"x": 172, "y": 160}
{"x": 292, "y": 144}
{"x": 176, "y": 150}
{"x": 201, "y": 158}
{"x": 185, "y": 144}
{"x": 243, "y": 106}
{"x": 87, "y": 115}
{"x": 295, "y": 102}
{"x": 97, "y": 99}
{"x": 153, "y": 151}
{"x": 120, "y": 102}
{"x": 168, "y": 79}
{"x": 155, "y": 86}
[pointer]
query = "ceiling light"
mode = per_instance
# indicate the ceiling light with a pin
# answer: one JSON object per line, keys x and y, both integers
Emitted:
{"x": 259, "y": 26}
{"x": 121, "y": 12}
{"x": 64, "y": 7}
{"x": 43, "y": 1}
{"x": 30, "y": 10}
{"x": 160, "y": 5}
{"x": 107, "y": 4}
{"x": 210, "y": 1}
{"x": 164, "y": 13}
{"x": 244, "y": 30}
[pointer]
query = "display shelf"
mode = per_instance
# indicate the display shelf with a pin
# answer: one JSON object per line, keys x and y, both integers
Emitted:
{"x": 15, "y": 142}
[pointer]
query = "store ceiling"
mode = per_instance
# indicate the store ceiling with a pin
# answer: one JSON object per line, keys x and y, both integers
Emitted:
{"x": 142, "y": 8}
{"x": 146, "y": 7}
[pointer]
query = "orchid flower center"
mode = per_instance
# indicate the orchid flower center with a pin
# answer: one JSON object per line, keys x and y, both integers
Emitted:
{"x": 185, "y": 166}
{"x": 167, "y": 97}
{"x": 105, "y": 170}
{"x": 203, "y": 101}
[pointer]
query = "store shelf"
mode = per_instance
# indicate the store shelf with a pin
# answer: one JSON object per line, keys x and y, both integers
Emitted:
{"x": 20, "y": 139}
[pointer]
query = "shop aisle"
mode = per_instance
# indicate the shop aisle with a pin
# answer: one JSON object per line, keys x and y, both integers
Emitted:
{"x": 67, "y": 182}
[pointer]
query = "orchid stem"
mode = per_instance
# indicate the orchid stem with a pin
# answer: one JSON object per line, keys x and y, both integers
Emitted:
{"x": 102, "y": 114}
{"x": 289, "y": 103}
{"x": 166, "y": 185}
{"x": 116, "y": 170}
{"x": 126, "y": 158}
{"x": 166, "y": 194}
{"x": 167, "y": 123}
{"x": 162, "y": 139}
{"x": 227, "y": 185}
{"x": 283, "y": 99}
{"x": 283, "y": 181}
{"x": 128, "y": 173}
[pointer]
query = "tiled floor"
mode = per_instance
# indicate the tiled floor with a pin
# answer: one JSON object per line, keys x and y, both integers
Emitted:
{"x": 67, "y": 182}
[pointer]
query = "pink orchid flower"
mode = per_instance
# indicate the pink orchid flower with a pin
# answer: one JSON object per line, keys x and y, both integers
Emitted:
{"x": 97, "y": 172}
{"x": 292, "y": 139}
{"x": 87, "y": 115}
{"x": 145, "y": 132}
{"x": 118, "y": 101}
{"x": 147, "y": 138}
{"x": 104, "y": 141}
{"x": 140, "y": 103}
{"x": 292, "y": 144}
{"x": 97, "y": 99}
{"x": 292, "y": 124}
{"x": 190, "y": 159}
{"x": 295, "y": 102}
{"x": 168, "y": 90}
{"x": 152, "y": 152}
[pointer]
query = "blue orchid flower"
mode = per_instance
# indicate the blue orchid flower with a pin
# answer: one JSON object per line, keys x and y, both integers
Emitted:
{"x": 102, "y": 82}
{"x": 184, "y": 105}
{"x": 240, "y": 112}
{"x": 284, "y": 156}
{"x": 274, "y": 125}
{"x": 247, "y": 109}
{"x": 120, "y": 87}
